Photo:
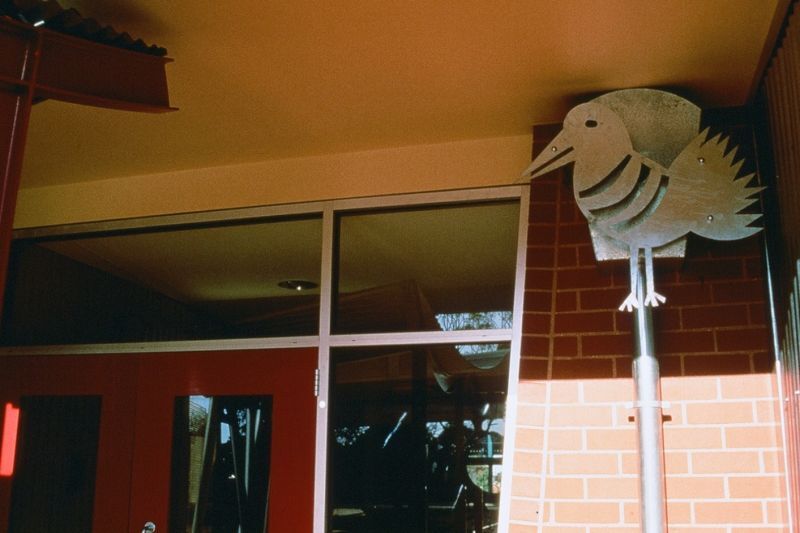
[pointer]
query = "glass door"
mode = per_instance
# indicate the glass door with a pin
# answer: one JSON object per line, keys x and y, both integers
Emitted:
{"x": 225, "y": 442}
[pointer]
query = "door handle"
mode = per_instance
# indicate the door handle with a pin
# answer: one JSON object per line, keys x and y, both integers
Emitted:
{"x": 149, "y": 527}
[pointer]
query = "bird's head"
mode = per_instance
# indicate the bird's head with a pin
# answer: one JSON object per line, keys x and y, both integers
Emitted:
{"x": 593, "y": 136}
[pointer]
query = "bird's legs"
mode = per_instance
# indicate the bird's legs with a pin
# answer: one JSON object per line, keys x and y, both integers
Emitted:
{"x": 632, "y": 301}
{"x": 651, "y": 298}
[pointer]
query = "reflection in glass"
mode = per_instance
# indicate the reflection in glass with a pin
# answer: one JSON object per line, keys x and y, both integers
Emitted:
{"x": 54, "y": 479}
{"x": 442, "y": 268}
{"x": 205, "y": 282}
{"x": 220, "y": 464}
{"x": 416, "y": 439}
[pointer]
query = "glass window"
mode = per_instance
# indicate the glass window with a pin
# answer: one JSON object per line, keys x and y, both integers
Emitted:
{"x": 220, "y": 464}
{"x": 416, "y": 438}
{"x": 428, "y": 269}
{"x": 234, "y": 281}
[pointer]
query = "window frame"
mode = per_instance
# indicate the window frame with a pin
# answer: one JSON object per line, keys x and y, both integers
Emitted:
{"x": 325, "y": 340}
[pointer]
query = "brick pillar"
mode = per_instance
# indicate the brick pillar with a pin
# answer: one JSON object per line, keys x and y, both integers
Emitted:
{"x": 576, "y": 464}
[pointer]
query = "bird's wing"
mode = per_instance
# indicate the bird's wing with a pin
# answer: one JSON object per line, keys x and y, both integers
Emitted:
{"x": 705, "y": 175}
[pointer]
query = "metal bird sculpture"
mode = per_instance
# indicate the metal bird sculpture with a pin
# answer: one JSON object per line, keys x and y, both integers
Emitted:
{"x": 640, "y": 205}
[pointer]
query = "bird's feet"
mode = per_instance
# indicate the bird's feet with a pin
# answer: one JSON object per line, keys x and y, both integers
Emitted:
{"x": 653, "y": 299}
{"x": 630, "y": 303}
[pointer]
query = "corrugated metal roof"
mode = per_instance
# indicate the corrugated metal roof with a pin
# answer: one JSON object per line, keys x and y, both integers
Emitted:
{"x": 49, "y": 14}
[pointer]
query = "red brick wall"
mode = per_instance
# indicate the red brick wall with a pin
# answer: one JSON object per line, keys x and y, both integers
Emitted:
{"x": 576, "y": 464}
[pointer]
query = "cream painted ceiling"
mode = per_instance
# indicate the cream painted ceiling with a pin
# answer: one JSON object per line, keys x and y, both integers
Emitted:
{"x": 258, "y": 79}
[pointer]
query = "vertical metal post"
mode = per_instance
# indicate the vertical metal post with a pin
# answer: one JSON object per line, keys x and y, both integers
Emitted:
{"x": 652, "y": 502}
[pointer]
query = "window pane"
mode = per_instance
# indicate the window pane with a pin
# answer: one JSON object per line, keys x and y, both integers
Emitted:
{"x": 220, "y": 464}
{"x": 417, "y": 438}
{"x": 54, "y": 479}
{"x": 440, "y": 268}
{"x": 199, "y": 283}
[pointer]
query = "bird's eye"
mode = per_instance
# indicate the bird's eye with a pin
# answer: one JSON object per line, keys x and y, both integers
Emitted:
{"x": 591, "y": 123}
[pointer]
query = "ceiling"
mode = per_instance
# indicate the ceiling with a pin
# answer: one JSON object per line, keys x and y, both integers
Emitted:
{"x": 258, "y": 80}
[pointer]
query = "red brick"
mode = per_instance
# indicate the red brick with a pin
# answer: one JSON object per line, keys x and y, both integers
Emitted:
{"x": 608, "y": 390}
{"x": 529, "y": 439}
{"x": 583, "y": 368}
{"x": 538, "y": 301}
{"x": 690, "y": 388}
{"x": 526, "y": 486}
{"x": 751, "y": 437}
{"x": 747, "y": 386}
{"x": 728, "y": 512}
{"x": 544, "y": 191}
{"x": 581, "y": 512}
{"x": 565, "y": 346}
{"x": 720, "y": 413}
{"x": 586, "y": 256}
{"x": 543, "y": 213}
{"x": 739, "y": 291}
{"x": 569, "y": 212}
{"x": 567, "y": 256}
{"x": 530, "y": 415}
{"x": 714, "y": 364}
{"x": 687, "y": 438}
{"x": 754, "y": 267}
{"x": 719, "y": 462}
{"x": 715, "y": 316}
{"x": 527, "y": 510}
{"x": 581, "y": 278}
{"x": 758, "y": 314}
{"x": 580, "y": 416}
{"x": 616, "y": 488}
{"x": 584, "y": 322}
{"x": 622, "y": 367}
{"x": 530, "y": 368}
{"x": 688, "y": 294}
{"x": 611, "y": 439}
{"x": 677, "y": 342}
{"x": 527, "y": 462}
{"x": 569, "y": 488}
{"x": 584, "y": 463}
{"x": 700, "y": 269}
{"x": 541, "y": 234}
{"x": 532, "y": 391}
{"x": 743, "y": 339}
{"x": 610, "y": 344}
{"x": 539, "y": 278}
{"x": 564, "y": 391}
{"x": 566, "y": 301}
{"x": 535, "y": 345}
{"x": 577, "y": 233}
{"x": 670, "y": 365}
{"x": 564, "y": 439}
{"x": 695, "y": 488}
{"x": 763, "y": 362}
{"x": 623, "y": 321}
{"x": 540, "y": 256}
{"x": 536, "y": 323}
{"x": 667, "y": 318}
{"x": 609, "y": 298}
{"x": 755, "y": 487}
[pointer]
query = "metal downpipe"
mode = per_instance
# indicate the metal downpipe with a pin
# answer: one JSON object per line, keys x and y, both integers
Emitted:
{"x": 652, "y": 501}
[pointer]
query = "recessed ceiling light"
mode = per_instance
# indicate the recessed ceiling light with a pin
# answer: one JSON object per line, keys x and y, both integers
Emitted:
{"x": 297, "y": 284}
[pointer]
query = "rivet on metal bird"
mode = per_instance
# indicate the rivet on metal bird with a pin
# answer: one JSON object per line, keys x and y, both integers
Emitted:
{"x": 645, "y": 177}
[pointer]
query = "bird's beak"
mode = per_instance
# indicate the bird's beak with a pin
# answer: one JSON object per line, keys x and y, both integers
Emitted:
{"x": 556, "y": 154}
